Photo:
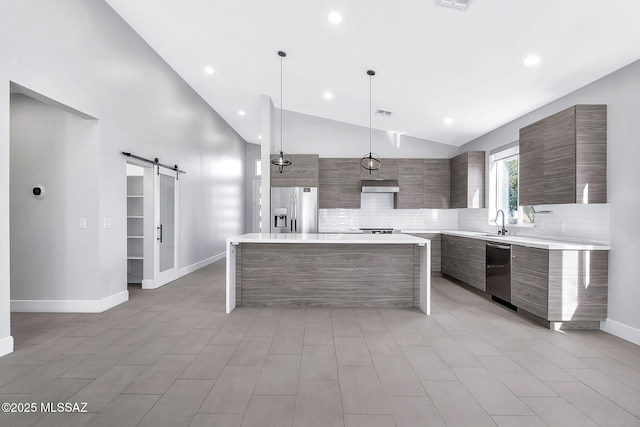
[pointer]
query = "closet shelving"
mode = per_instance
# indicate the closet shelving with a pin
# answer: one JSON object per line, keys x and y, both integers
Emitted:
{"x": 135, "y": 228}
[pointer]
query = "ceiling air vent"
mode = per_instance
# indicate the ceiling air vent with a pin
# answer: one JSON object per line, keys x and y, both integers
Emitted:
{"x": 384, "y": 113}
{"x": 455, "y": 4}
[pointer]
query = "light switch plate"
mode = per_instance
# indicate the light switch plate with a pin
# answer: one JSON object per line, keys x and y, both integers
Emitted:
{"x": 107, "y": 223}
{"x": 82, "y": 223}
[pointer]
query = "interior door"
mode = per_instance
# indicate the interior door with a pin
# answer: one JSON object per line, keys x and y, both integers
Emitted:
{"x": 166, "y": 259}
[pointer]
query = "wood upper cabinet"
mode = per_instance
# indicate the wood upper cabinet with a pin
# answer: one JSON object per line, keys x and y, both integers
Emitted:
{"x": 388, "y": 169}
{"x": 350, "y": 183}
{"x": 339, "y": 184}
{"x": 303, "y": 172}
{"x": 329, "y": 184}
{"x": 436, "y": 173}
{"x": 531, "y": 164}
{"x": 306, "y": 170}
{"x": 411, "y": 182}
{"x": 284, "y": 179}
{"x": 467, "y": 180}
{"x": 563, "y": 158}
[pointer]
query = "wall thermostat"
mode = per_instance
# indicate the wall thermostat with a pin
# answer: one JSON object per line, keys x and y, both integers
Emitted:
{"x": 38, "y": 191}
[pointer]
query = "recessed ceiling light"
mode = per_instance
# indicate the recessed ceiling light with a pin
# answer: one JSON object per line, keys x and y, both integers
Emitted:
{"x": 328, "y": 95}
{"x": 335, "y": 17}
{"x": 531, "y": 60}
{"x": 241, "y": 112}
{"x": 448, "y": 121}
{"x": 209, "y": 70}
{"x": 259, "y": 136}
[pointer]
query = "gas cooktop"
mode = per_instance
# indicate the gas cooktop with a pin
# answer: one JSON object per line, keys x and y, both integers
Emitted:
{"x": 379, "y": 230}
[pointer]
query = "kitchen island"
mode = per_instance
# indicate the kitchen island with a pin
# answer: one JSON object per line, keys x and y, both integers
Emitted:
{"x": 328, "y": 270}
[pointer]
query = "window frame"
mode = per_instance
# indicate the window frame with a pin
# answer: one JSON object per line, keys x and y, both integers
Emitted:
{"x": 496, "y": 156}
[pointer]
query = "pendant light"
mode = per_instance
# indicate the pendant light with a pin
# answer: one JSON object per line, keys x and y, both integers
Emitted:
{"x": 282, "y": 160}
{"x": 370, "y": 162}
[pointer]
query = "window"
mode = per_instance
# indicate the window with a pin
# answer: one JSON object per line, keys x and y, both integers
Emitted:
{"x": 503, "y": 188}
{"x": 258, "y": 167}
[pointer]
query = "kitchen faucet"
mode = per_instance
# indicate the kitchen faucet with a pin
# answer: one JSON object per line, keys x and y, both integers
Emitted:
{"x": 501, "y": 231}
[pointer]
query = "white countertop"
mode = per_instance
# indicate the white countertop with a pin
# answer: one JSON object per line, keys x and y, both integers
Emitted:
{"x": 530, "y": 241}
{"x": 396, "y": 239}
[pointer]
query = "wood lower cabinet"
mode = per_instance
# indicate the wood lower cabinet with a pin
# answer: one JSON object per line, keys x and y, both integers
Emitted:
{"x": 449, "y": 260}
{"x": 436, "y": 251}
{"x": 530, "y": 279}
{"x": 475, "y": 251}
{"x": 560, "y": 286}
{"x": 464, "y": 259}
{"x": 566, "y": 287}
{"x": 563, "y": 158}
{"x": 466, "y": 180}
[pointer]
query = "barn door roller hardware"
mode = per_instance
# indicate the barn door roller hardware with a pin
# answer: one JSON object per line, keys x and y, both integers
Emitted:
{"x": 156, "y": 162}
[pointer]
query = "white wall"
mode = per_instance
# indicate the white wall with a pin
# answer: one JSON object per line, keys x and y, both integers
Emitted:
{"x": 267, "y": 129}
{"x": 304, "y": 134}
{"x": 82, "y": 54}
{"x": 251, "y": 154}
{"x": 621, "y": 92}
{"x": 52, "y": 259}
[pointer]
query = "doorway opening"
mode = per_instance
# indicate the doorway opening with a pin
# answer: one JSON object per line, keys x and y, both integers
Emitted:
{"x": 139, "y": 230}
{"x": 55, "y": 220}
{"x": 152, "y": 227}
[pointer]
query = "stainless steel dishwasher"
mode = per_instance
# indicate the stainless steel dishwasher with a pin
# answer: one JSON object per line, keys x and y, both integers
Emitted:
{"x": 499, "y": 271}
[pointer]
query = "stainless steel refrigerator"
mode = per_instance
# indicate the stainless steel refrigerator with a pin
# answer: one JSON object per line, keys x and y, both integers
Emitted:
{"x": 294, "y": 210}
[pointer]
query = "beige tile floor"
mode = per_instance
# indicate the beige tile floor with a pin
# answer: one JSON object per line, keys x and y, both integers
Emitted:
{"x": 172, "y": 357}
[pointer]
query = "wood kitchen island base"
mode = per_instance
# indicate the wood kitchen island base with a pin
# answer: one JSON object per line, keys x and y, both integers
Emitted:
{"x": 328, "y": 271}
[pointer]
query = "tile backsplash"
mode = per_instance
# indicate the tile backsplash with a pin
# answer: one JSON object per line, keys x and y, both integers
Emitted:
{"x": 572, "y": 222}
{"x": 377, "y": 211}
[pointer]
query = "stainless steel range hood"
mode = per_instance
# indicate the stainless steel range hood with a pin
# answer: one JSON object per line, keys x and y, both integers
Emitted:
{"x": 379, "y": 186}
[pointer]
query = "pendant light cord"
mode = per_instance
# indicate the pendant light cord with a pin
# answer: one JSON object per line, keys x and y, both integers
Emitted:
{"x": 370, "y": 115}
{"x": 281, "y": 106}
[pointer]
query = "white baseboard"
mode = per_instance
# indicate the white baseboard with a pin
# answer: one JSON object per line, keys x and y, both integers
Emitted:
{"x": 148, "y": 284}
{"x": 152, "y": 284}
{"x": 621, "y": 330}
{"x": 198, "y": 265}
{"x": 69, "y": 306}
{"x": 6, "y": 345}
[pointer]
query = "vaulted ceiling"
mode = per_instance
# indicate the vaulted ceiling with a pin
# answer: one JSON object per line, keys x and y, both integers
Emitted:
{"x": 432, "y": 62}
